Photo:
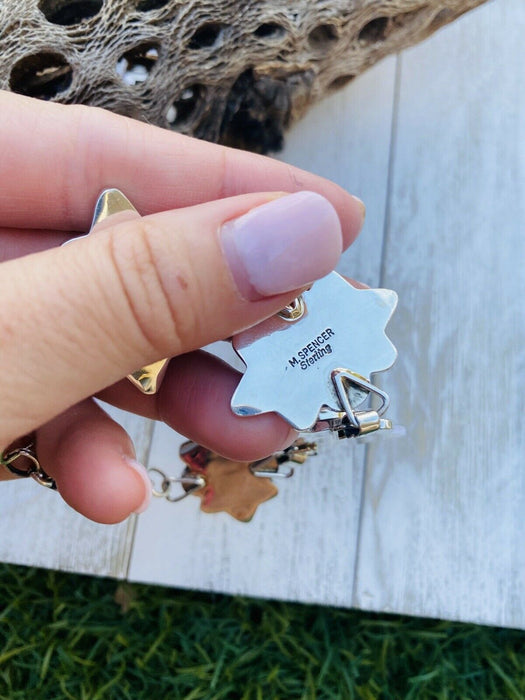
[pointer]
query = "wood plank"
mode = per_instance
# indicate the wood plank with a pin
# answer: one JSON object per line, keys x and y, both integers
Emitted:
{"x": 302, "y": 544}
{"x": 443, "y": 519}
{"x": 38, "y": 529}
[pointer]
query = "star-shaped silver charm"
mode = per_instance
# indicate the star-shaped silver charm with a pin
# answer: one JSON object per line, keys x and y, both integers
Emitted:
{"x": 289, "y": 364}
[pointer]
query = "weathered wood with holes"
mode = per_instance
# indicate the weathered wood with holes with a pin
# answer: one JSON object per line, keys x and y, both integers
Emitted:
{"x": 235, "y": 72}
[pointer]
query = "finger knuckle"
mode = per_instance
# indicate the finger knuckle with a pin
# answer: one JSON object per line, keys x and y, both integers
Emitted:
{"x": 155, "y": 295}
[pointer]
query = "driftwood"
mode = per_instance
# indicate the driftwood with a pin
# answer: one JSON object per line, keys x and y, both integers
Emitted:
{"x": 235, "y": 72}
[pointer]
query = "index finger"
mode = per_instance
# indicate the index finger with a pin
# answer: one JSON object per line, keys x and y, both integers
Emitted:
{"x": 56, "y": 160}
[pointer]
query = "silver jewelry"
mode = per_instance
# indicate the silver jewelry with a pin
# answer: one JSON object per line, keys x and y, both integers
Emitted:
{"x": 35, "y": 471}
{"x": 311, "y": 363}
{"x": 225, "y": 485}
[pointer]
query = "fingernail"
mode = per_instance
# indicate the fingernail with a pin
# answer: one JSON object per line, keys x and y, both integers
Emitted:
{"x": 282, "y": 245}
{"x": 362, "y": 208}
{"x": 141, "y": 471}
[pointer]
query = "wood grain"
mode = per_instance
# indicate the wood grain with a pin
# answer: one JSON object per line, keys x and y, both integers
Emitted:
{"x": 38, "y": 529}
{"x": 444, "y": 508}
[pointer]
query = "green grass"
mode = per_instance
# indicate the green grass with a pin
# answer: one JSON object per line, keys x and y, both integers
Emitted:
{"x": 66, "y": 636}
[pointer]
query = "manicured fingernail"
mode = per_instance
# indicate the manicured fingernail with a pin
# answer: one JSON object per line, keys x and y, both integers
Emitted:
{"x": 361, "y": 206}
{"x": 141, "y": 471}
{"x": 282, "y": 245}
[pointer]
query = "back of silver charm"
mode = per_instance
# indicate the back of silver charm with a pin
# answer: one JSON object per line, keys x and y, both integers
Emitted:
{"x": 312, "y": 363}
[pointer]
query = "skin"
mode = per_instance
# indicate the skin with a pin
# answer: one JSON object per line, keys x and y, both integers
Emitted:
{"x": 75, "y": 320}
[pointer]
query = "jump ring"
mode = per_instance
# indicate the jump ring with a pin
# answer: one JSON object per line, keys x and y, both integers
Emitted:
{"x": 35, "y": 471}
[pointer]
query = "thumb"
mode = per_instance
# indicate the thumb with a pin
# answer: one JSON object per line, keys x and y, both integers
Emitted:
{"x": 76, "y": 319}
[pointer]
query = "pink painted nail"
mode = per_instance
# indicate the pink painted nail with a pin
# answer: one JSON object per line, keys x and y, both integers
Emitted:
{"x": 282, "y": 245}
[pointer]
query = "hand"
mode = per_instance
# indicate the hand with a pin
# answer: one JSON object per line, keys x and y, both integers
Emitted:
{"x": 220, "y": 247}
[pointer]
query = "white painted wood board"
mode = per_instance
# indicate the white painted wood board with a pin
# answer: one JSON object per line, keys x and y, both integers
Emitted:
{"x": 301, "y": 545}
{"x": 444, "y": 509}
{"x": 38, "y": 529}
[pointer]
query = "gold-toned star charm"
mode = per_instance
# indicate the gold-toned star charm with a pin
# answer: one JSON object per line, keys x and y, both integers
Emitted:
{"x": 230, "y": 486}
